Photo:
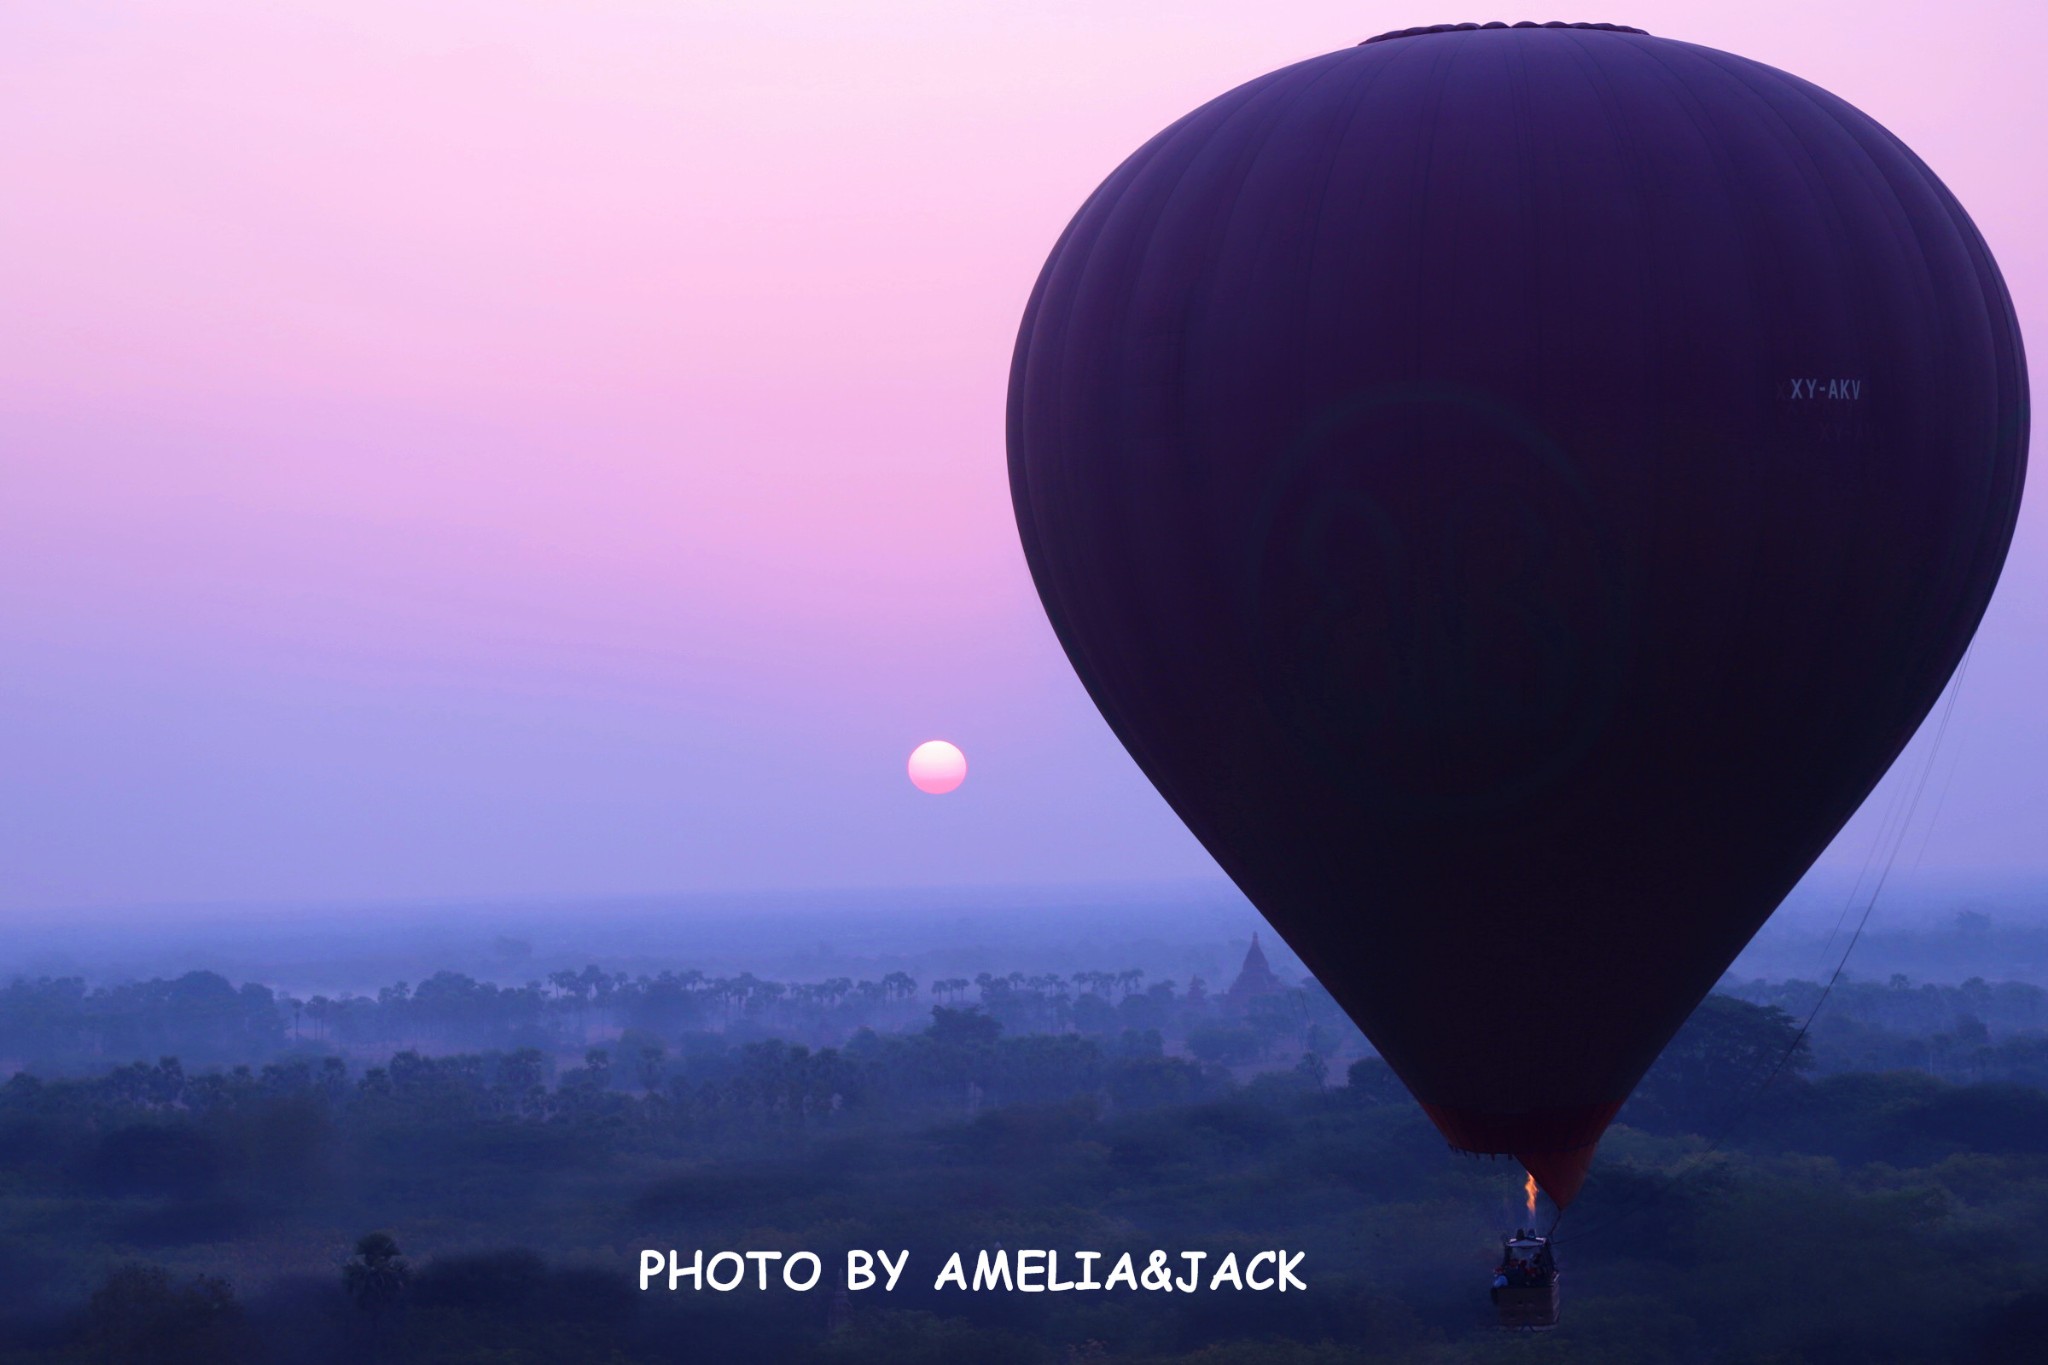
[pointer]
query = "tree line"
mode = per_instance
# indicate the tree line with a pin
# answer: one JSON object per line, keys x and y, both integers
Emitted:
{"x": 63, "y": 1024}
{"x": 485, "y": 1205}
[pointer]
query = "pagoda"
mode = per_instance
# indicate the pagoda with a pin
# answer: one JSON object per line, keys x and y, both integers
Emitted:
{"x": 1255, "y": 978}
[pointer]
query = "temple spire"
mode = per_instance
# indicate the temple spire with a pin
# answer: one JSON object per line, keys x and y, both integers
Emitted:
{"x": 1255, "y": 978}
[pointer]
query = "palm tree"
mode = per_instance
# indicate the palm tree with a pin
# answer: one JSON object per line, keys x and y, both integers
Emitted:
{"x": 376, "y": 1278}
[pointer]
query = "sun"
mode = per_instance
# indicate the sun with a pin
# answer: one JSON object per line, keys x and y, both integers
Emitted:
{"x": 937, "y": 767}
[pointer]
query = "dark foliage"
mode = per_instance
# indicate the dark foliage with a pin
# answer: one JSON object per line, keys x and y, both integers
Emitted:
{"x": 159, "y": 1212}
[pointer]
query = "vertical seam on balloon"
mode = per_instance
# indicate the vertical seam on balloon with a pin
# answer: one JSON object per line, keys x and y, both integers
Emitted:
{"x": 1208, "y": 129}
{"x": 1338, "y": 158}
{"x": 1425, "y": 171}
{"x": 1601, "y": 81}
{"x": 1522, "y": 106}
{"x": 1193, "y": 128}
{"x": 2001, "y": 325}
{"x": 1923, "y": 282}
{"x": 1712, "y": 141}
{"x": 1341, "y": 158}
{"x": 1023, "y": 490}
{"x": 1739, "y": 71}
{"x": 1963, "y": 622}
{"x": 1286, "y": 100}
{"x": 1799, "y": 159}
{"x": 1964, "y": 236}
{"x": 1598, "y": 82}
{"x": 1300, "y": 108}
{"x": 1272, "y": 98}
{"x": 1250, "y": 161}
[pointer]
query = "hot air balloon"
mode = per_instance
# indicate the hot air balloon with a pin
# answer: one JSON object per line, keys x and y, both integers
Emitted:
{"x": 1514, "y": 490}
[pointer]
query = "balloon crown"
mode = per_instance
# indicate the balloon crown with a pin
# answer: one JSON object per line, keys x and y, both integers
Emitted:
{"x": 1470, "y": 28}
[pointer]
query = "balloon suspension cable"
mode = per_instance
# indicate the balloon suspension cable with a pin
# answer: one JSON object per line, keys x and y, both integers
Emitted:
{"x": 1897, "y": 834}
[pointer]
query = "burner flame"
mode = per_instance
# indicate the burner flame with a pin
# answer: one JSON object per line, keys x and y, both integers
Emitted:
{"x": 1529, "y": 1188}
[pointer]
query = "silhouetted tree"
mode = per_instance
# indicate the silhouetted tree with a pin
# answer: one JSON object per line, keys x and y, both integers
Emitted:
{"x": 1717, "y": 1062}
{"x": 376, "y": 1277}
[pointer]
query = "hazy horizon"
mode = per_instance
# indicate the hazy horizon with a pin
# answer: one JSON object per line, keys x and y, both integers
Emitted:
{"x": 1172, "y": 928}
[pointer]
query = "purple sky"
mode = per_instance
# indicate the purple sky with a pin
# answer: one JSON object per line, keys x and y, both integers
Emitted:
{"x": 503, "y": 448}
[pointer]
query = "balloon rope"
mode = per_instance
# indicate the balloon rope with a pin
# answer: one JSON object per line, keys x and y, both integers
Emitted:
{"x": 1878, "y": 841}
{"x": 1746, "y": 1107}
{"x": 1955, "y": 755}
{"x": 1898, "y": 843}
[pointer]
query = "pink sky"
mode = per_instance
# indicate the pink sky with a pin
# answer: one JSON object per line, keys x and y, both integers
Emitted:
{"x": 499, "y": 448}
